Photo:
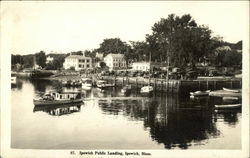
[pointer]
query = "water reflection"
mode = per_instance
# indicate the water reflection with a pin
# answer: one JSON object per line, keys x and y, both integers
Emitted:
{"x": 58, "y": 110}
{"x": 169, "y": 120}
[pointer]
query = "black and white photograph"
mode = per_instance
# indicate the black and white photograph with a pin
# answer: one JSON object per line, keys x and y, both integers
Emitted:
{"x": 112, "y": 79}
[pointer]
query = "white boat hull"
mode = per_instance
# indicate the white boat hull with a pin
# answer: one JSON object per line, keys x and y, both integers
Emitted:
{"x": 147, "y": 89}
{"x": 228, "y": 106}
{"x": 56, "y": 102}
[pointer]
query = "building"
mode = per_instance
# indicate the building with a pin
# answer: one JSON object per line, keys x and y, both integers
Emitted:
{"x": 99, "y": 56}
{"x": 49, "y": 59}
{"x": 79, "y": 62}
{"x": 115, "y": 61}
{"x": 141, "y": 66}
{"x": 146, "y": 66}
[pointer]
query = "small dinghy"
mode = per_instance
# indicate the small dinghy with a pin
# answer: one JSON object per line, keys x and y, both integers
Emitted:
{"x": 230, "y": 98}
{"x": 199, "y": 93}
{"x": 232, "y": 90}
{"x": 147, "y": 89}
{"x": 228, "y": 106}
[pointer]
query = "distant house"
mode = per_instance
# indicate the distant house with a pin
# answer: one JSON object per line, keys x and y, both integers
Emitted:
{"x": 99, "y": 56}
{"x": 49, "y": 59}
{"x": 223, "y": 48}
{"x": 115, "y": 61}
{"x": 146, "y": 66}
{"x": 79, "y": 62}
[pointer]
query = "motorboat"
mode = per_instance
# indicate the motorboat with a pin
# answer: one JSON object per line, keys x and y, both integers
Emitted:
{"x": 199, "y": 93}
{"x": 228, "y": 106}
{"x": 57, "y": 98}
{"x": 86, "y": 83}
{"x": 147, "y": 89}
{"x": 104, "y": 84}
{"x": 232, "y": 90}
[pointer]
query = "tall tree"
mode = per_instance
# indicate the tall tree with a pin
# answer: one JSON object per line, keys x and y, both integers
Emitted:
{"x": 41, "y": 59}
{"x": 113, "y": 45}
{"x": 181, "y": 39}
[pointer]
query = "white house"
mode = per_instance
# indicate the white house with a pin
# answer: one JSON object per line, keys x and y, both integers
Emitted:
{"x": 146, "y": 66}
{"x": 49, "y": 59}
{"x": 79, "y": 62}
{"x": 115, "y": 61}
{"x": 141, "y": 66}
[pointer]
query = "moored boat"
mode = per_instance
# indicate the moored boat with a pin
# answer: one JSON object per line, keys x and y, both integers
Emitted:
{"x": 103, "y": 84}
{"x": 199, "y": 93}
{"x": 228, "y": 106}
{"x": 56, "y": 98}
{"x": 86, "y": 83}
{"x": 147, "y": 89}
{"x": 230, "y": 98}
{"x": 231, "y": 90}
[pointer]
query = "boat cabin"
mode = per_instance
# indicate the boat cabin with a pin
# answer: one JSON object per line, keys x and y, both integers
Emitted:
{"x": 62, "y": 96}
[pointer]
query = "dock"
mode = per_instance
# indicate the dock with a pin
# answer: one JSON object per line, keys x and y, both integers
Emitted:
{"x": 176, "y": 86}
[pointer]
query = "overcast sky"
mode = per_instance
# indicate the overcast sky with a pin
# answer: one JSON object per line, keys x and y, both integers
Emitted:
{"x": 28, "y": 27}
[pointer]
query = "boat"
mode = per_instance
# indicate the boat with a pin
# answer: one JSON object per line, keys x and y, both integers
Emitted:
{"x": 57, "y": 98}
{"x": 103, "y": 84}
{"x": 126, "y": 89}
{"x": 147, "y": 89}
{"x": 199, "y": 93}
{"x": 232, "y": 90}
{"x": 230, "y": 98}
{"x": 86, "y": 83}
{"x": 228, "y": 106}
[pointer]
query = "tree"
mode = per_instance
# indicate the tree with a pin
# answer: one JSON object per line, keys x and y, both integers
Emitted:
{"x": 77, "y": 53}
{"x": 41, "y": 59}
{"x": 28, "y": 61}
{"x": 139, "y": 50}
{"x": 180, "y": 39}
{"x": 113, "y": 45}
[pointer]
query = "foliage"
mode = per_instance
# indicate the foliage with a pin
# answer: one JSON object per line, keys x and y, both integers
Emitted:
{"x": 180, "y": 39}
{"x": 41, "y": 59}
{"x": 77, "y": 53}
{"x": 114, "y": 46}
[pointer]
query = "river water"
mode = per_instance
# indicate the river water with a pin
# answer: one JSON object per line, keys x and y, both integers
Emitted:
{"x": 156, "y": 121}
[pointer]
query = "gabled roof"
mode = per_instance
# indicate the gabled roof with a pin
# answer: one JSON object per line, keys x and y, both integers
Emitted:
{"x": 115, "y": 55}
{"x": 77, "y": 57}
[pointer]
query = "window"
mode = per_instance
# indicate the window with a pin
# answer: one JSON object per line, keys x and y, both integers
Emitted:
{"x": 79, "y": 65}
{"x": 60, "y": 96}
{"x": 87, "y": 65}
{"x": 87, "y": 60}
{"x": 82, "y": 66}
{"x": 83, "y": 60}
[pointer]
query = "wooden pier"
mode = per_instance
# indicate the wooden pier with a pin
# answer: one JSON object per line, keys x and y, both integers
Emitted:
{"x": 176, "y": 86}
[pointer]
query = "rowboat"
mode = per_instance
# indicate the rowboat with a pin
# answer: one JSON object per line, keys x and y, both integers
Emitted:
{"x": 230, "y": 98}
{"x": 147, "y": 89}
{"x": 199, "y": 93}
{"x": 232, "y": 90}
{"x": 56, "y": 98}
{"x": 228, "y": 106}
{"x": 103, "y": 84}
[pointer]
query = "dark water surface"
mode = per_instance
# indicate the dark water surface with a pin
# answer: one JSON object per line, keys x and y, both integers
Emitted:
{"x": 157, "y": 121}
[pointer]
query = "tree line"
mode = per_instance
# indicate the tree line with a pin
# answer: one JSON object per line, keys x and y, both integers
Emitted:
{"x": 178, "y": 40}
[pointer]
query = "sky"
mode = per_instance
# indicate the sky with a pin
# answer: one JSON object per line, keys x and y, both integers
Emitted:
{"x": 63, "y": 26}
